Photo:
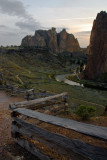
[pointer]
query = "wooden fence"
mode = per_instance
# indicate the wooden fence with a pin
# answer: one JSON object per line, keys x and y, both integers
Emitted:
{"x": 43, "y": 143}
{"x": 29, "y": 94}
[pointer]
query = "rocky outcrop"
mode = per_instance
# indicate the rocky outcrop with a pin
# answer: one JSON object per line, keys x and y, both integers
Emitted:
{"x": 67, "y": 42}
{"x": 56, "y": 42}
{"x": 32, "y": 40}
{"x": 97, "y": 62}
{"x": 87, "y": 50}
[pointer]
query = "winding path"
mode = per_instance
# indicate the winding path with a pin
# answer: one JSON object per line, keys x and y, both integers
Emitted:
{"x": 5, "y": 119}
{"x": 62, "y": 78}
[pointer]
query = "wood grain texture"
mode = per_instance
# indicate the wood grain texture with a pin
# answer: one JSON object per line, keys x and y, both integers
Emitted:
{"x": 87, "y": 129}
{"x": 38, "y": 137}
{"x": 39, "y": 101}
{"x": 77, "y": 146}
{"x": 31, "y": 148}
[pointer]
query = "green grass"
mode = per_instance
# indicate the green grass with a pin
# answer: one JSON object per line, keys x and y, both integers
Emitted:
{"x": 77, "y": 95}
{"x": 87, "y": 83}
{"x": 37, "y": 75}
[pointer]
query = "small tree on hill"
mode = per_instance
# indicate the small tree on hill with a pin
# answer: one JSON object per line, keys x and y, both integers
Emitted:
{"x": 85, "y": 112}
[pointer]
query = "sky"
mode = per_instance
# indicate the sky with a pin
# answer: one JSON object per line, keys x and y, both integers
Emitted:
{"x": 19, "y": 18}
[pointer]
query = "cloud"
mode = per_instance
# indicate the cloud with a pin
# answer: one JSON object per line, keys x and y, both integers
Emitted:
{"x": 83, "y": 33}
{"x": 83, "y": 37}
{"x": 11, "y": 37}
{"x": 32, "y": 26}
{"x": 16, "y": 8}
{"x": 58, "y": 29}
{"x": 69, "y": 19}
{"x": 3, "y": 26}
{"x": 11, "y": 33}
{"x": 61, "y": 28}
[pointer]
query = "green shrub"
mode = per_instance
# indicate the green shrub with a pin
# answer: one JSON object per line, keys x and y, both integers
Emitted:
{"x": 85, "y": 112}
{"x": 25, "y": 85}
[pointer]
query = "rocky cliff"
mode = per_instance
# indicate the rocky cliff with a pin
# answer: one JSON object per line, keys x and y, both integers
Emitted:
{"x": 97, "y": 62}
{"x": 67, "y": 42}
{"x": 87, "y": 50}
{"x": 56, "y": 42}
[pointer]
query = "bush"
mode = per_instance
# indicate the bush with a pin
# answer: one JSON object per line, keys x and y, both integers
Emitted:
{"x": 25, "y": 85}
{"x": 85, "y": 112}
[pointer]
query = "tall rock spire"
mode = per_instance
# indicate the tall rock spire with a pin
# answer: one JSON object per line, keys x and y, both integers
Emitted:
{"x": 97, "y": 62}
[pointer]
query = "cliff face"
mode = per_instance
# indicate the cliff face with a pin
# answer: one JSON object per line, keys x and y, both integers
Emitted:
{"x": 97, "y": 62}
{"x": 32, "y": 40}
{"x": 87, "y": 50}
{"x": 56, "y": 42}
{"x": 67, "y": 42}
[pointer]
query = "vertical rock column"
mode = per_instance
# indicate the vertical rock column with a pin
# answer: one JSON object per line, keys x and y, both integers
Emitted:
{"x": 97, "y": 62}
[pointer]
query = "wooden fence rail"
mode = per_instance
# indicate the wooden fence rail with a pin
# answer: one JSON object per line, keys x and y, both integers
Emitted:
{"x": 30, "y": 94}
{"x": 45, "y": 144}
{"x": 41, "y": 102}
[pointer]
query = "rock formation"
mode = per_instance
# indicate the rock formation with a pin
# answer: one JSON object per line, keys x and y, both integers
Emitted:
{"x": 87, "y": 50}
{"x": 56, "y": 42}
{"x": 67, "y": 42}
{"x": 97, "y": 62}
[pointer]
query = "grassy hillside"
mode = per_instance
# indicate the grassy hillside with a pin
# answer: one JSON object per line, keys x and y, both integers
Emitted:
{"x": 38, "y": 70}
{"x": 27, "y": 66}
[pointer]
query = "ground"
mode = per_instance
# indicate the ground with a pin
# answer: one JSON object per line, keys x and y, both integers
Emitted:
{"x": 40, "y": 75}
{"x": 10, "y": 149}
{"x": 36, "y": 73}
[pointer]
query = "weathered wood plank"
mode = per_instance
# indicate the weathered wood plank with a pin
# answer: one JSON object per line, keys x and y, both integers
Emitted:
{"x": 44, "y": 94}
{"x": 37, "y": 106}
{"x": 31, "y": 148}
{"x": 54, "y": 110}
{"x": 60, "y": 150}
{"x": 30, "y": 90}
{"x": 88, "y": 129}
{"x": 13, "y": 157}
{"x": 37, "y": 101}
{"x": 77, "y": 146}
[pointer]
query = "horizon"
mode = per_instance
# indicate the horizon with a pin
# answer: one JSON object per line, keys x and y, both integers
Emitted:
{"x": 20, "y": 18}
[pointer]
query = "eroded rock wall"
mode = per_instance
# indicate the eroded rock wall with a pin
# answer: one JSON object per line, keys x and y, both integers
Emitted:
{"x": 97, "y": 62}
{"x": 56, "y": 42}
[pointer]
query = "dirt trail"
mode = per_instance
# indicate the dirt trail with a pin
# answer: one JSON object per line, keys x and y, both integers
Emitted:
{"x": 5, "y": 120}
{"x": 7, "y": 145}
{"x": 19, "y": 79}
